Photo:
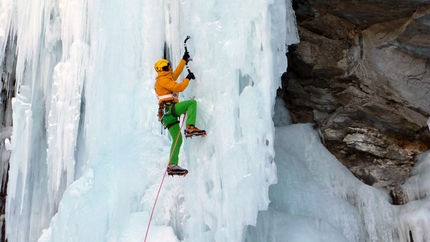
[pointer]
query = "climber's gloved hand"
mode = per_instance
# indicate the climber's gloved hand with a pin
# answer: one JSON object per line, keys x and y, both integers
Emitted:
{"x": 190, "y": 76}
{"x": 186, "y": 56}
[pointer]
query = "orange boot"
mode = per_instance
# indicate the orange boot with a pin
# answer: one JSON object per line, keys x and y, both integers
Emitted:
{"x": 192, "y": 130}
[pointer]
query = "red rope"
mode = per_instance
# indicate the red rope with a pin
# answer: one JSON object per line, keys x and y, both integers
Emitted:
{"x": 164, "y": 176}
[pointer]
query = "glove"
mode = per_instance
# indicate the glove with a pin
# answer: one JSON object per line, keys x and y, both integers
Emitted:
{"x": 186, "y": 56}
{"x": 190, "y": 76}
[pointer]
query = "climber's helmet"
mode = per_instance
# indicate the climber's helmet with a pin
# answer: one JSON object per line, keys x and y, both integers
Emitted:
{"x": 161, "y": 65}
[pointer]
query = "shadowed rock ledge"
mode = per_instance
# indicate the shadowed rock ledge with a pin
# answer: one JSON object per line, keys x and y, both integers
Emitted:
{"x": 360, "y": 73}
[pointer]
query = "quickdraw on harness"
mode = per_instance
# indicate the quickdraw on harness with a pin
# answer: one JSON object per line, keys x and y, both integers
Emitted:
{"x": 164, "y": 109}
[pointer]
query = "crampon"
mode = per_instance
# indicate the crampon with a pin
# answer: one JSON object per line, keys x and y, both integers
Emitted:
{"x": 175, "y": 170}
{"x": 177, "y": 173}
{"x": 191, "y": 131}
{"x": 195, "y": 133}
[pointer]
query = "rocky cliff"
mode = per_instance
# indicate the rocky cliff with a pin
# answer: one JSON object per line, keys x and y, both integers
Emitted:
{"x": 360, "y": 74}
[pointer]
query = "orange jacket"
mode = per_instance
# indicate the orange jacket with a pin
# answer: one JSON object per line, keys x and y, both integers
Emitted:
{"x": 165, "y": 83}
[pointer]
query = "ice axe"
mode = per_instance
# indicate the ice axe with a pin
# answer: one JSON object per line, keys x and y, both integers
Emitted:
{"x": 186, "y": 50}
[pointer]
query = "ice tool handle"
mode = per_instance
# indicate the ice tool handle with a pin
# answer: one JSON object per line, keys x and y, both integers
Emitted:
{"x": 186, "y": 50}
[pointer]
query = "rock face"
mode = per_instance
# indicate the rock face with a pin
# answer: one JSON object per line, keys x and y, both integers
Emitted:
{"x": 360, "y": 73}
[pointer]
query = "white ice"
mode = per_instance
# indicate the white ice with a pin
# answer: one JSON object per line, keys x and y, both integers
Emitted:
{"x": 88, "y": 155}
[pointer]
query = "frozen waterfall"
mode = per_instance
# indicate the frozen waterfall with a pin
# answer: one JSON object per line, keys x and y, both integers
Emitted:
{"x": 88, "y": 153}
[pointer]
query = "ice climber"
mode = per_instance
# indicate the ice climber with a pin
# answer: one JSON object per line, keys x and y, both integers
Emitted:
{"x": 170, "y": 109}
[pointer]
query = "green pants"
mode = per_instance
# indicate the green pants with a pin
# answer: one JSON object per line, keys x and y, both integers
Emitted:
{"x": 189, "y": 107}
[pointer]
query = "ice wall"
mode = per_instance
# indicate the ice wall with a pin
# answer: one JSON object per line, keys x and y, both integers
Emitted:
{"x": 27, "y": 203}
{"x": 318, "y": 199}
{"x": 88, "y": 155}
{"x": 86, "y": 144}
{"x": 414, "y": 215}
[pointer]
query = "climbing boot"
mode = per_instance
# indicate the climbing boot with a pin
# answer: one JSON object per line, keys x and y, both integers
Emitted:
{"x": 174, "y": 169}
{"x": 192, "y": 130}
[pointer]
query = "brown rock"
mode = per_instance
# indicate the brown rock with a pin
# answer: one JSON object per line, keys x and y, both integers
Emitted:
{"x": 360, "y": 73}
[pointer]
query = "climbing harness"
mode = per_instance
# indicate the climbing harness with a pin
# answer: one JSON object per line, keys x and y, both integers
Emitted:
{"x": 165, "y": 109}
